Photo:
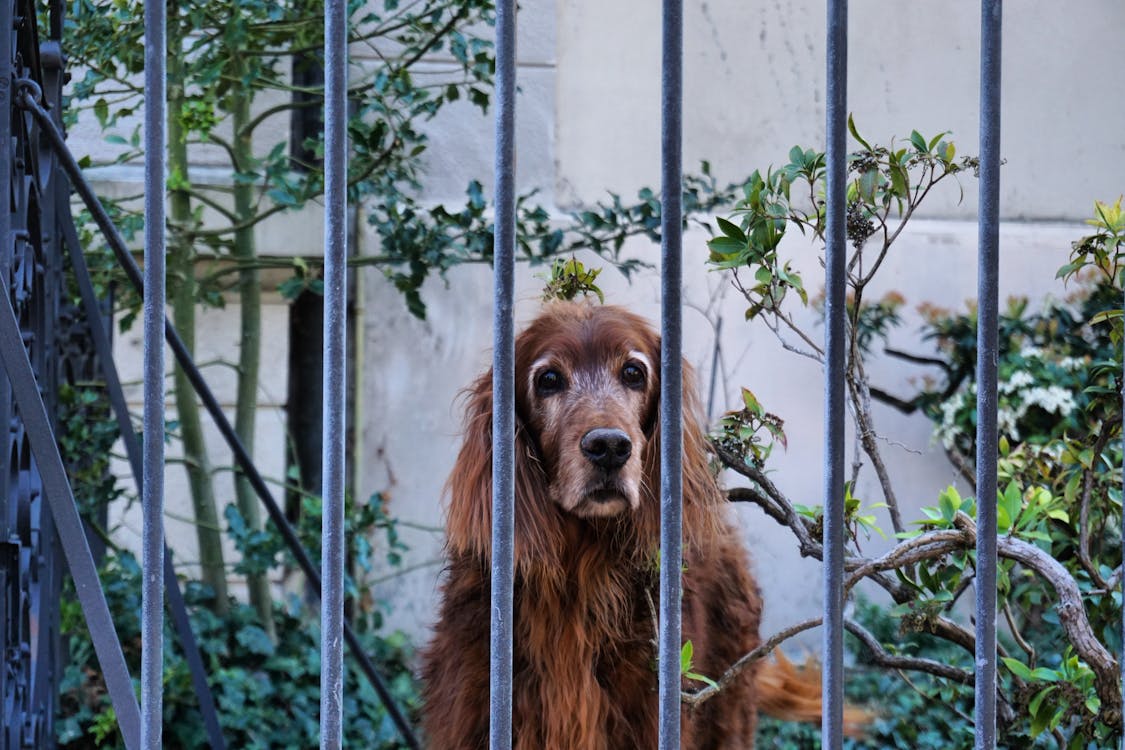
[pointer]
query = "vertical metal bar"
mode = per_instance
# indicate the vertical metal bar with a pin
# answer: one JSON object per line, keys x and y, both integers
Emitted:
{"x": 503, "y": 384}
{"x": 988, "y": 265}
{"x": 671, "y": 411}
{"x": 835, "y": 345}
{"x": 152, "y": 532}
{"x": 335, "y": 342}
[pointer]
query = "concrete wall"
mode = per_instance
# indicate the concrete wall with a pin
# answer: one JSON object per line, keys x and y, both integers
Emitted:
{"x": 588, "y": 121}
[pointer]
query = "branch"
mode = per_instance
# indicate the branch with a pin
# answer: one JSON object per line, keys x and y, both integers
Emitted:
{"x": 861, "y": 398}
{"x": 916, "y": 358}
{"x": 734, "y": 670}
{"x": 881, "y": 657}
{"x": 748, "y": 495}
{"x": 1072, "y": 617}
{"x": 1084, "y": 511}
{"x": 809, "y": 547}
{"x": 904, "y": 406}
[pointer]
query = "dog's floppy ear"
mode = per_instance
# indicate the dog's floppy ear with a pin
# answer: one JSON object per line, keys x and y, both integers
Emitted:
{"x": 701, "y": 494}
{"x": 469, "y": 520}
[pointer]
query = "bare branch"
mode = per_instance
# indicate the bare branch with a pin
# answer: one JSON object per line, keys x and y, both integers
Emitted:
{"x": 759, "y": 653}
{"x": 861, "y": 399}
{"x": 883, "y": 658}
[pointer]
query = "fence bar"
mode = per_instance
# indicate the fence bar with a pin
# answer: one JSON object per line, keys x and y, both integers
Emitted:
{"x": 152, "y": 505}
{"x": 335, "y": 343}
{"x": 835, "y": 344}
{"x": 503, "y": 384}
{"x": 671, "y": 411}
{"x": 988, "y": 273}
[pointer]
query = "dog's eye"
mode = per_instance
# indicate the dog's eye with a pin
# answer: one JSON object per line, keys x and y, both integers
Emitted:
{"x": 633, "y": 376}
{"x": 548, "y": 382}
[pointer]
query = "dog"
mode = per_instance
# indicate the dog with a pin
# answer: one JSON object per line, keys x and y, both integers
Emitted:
{"x": 587, "y": 529}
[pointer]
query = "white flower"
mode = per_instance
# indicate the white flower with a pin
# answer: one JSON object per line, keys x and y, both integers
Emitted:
{"x": 1051, "y": 398}
{"x": 1006, "y": 422}
{"x": 1018, "y": 380}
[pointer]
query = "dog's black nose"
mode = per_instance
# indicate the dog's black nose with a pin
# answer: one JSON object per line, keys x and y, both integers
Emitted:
{"x": 607, "y": 447}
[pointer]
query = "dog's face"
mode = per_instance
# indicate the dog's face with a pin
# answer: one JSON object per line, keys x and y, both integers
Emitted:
{"x": 586, "y": 384}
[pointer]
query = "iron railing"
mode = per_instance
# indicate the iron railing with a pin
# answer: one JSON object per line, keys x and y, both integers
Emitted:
{"x": 30, "y": 79}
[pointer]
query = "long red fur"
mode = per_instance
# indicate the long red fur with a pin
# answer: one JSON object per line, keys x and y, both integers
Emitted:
{"x": 584, "y": 661}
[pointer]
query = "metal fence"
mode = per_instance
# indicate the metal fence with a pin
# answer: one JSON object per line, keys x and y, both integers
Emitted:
{"x": 29, "y": 90}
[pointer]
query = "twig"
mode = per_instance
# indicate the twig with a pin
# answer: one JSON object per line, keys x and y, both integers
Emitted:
{"x": 1015, "y": 631}
{"x": 1084, "y": 512}
{"x": 756, "y": 655}
{"x": 861, "y": 398}
{"x": 883, "y": 658}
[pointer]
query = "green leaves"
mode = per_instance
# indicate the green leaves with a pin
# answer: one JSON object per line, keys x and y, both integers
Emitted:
{"x": 687, "y": 652}
{"x": 750, "y": 432}
{"x": 1070, "y": 692}
{"x": 569, "y": 279}
{"x": 885, "y": 186}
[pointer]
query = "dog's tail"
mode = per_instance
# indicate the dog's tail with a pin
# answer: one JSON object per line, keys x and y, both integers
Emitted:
{"x": 793, "y": 693}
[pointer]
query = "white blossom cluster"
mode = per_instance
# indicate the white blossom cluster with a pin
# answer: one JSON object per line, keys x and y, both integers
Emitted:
{"x": 1018, "y": 394}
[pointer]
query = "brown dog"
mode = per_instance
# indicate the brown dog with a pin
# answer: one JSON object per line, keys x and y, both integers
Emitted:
{"x": 587, "y": 526}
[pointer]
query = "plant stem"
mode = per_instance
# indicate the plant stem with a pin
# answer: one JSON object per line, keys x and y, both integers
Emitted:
{"x": 182, "y": 267}
{"x": 250, "y": 328}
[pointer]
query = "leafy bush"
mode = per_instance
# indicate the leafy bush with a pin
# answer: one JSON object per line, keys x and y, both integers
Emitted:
{"x": 921, "y": 712}
{"x": 267, "y": 694}
{"x": 266, "y": 691}
{"x": 1059, "y": 495}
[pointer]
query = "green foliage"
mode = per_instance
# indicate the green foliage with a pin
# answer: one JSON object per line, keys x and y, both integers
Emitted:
{"x": 569, "y": 279}
{"x": 267, "y": 693}
{"x": 1059, "y": 504}
{"x": 1055, "y": 370}
{"x": 687, "y": 656}
{"x": 1102, "y": 250}
{"x": 885, "y": 185}
{"x": 249, "y": 47}
{"x": 750, "y": 432}
{"x": 914, "y": 711}
{"x": 1060, "y": 481}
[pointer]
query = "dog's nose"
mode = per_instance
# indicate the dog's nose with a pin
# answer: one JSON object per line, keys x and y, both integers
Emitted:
{"x": 607, "y": 447}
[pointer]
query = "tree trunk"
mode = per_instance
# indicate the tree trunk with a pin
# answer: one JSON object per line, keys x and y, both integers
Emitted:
{"x": 250, "y": 333}
{"x": 182, "y": 267}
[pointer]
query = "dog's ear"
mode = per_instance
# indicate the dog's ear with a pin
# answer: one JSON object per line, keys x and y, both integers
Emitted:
{"x": 469, "y": 517}
{"x": 701, "y": 494}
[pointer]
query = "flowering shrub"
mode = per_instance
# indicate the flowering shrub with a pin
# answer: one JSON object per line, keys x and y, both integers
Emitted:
{"x": 1059, "y": 494}
{"x": 1045, "y": 366}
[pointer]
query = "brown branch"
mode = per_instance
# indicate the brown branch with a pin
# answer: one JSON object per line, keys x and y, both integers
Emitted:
{"x": 1072, "y": 616}
{"x": 1017, "y": 636}
{"x": 881, "y": 657}
{"x": 861, "y": 397}
{"x": 883, "y": 397}
{"x": 748, "y": 495}
{"x": 962, "y": 466}
{"x": 808, "y": 546}
{"x": 759, "y": 653}
{"x": 916, "y": 358}
{"x": 1084, "y": 511}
